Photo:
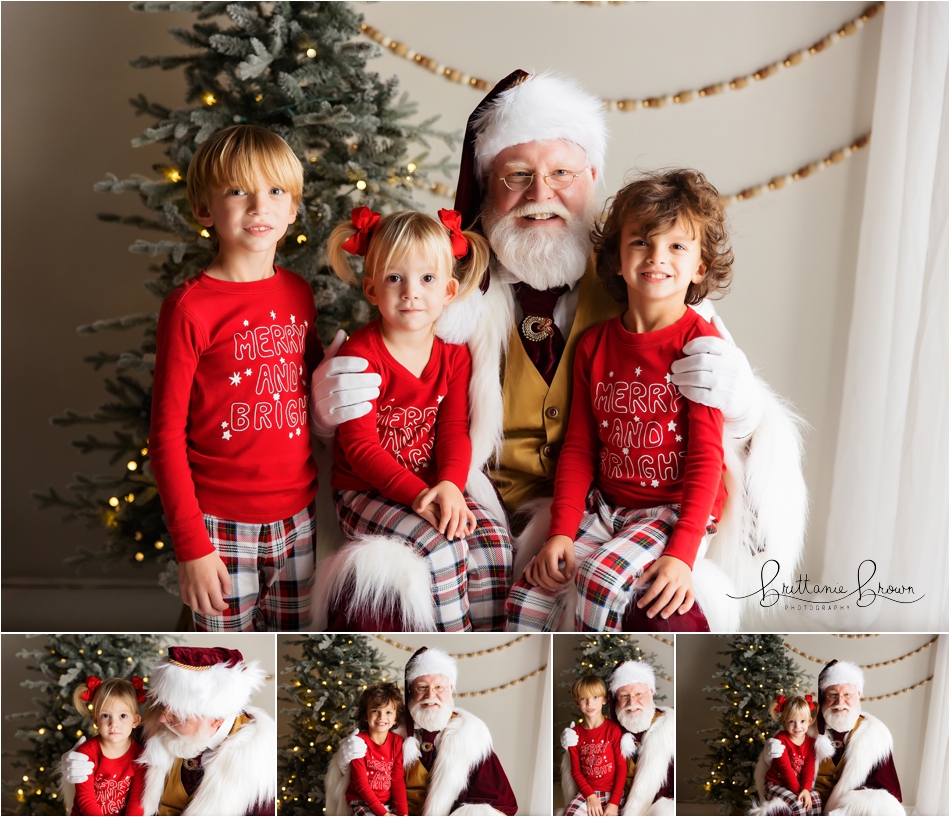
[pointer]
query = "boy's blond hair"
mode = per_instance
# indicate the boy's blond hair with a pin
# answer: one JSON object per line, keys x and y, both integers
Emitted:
{"x": 234, "y": 156}
{"x": 589, "y": 686}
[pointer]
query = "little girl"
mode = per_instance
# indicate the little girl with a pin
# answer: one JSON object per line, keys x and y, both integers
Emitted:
{"x": 400, "y": 470}
{"x": 791, "y": 776}
{"x": 115, "y": 785}
{"x": 377, "y": 782}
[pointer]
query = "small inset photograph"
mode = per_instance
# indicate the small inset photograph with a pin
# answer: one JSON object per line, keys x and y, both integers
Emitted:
{"x": 812, "y": 724}
{"x": 424, "y": 723}
{"x": 614, "y": 723}
{"x": 139, "y": 724}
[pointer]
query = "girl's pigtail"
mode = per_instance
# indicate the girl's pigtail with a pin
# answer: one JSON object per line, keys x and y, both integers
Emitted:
{"x": 337, "y": 257}
{"x": 774, "y": 712}
{"x": 78, "y": 701}
{"x": 470, "y": 269}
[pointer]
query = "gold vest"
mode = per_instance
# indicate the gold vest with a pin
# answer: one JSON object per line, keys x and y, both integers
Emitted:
{"x": 829, "y": 772}
{"x": 175, "y": 799}
{"x": 417, "y": 782}
{"x": 535, "y": 413}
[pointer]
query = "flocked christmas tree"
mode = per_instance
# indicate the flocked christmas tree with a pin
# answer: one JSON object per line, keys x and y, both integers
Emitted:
{"x": 327, "y": 680}
{"x": 54, "y": 726}
{"x": 759, "y": 669}
{"x": 298, "y": 69}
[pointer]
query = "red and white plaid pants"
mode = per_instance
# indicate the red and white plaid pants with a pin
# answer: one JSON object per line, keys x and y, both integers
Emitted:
{"x": 271, "y": 568}
{"x": 469, "y": 577}
{"x": 579, "y": 804}
{"x": 791, "y": 800}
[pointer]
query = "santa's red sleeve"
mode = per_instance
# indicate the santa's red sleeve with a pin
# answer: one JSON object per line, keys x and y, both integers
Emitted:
{"x": 489, "y": 784}
{"x": 884, "y": 776}
{"x": 666, "y": 790}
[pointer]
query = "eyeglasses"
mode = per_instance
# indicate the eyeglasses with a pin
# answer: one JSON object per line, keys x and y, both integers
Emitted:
{"x": 423, "y": 690}
{"x": 833, "y": 697}
{"x": 558, "y": 180}
{"x": 624, "y": 699}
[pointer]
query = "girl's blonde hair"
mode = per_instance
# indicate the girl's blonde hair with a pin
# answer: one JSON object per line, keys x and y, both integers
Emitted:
{"x": 397, "y": 235}
{"x": 108, "y": 690}
{"x": 791, "y": 707}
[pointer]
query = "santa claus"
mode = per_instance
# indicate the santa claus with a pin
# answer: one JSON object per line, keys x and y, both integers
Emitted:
{"x": 207, "y": 751}
{"x": 533, "y": 152}
{"x": 854, "y": 751}
{"x": 649, "y": 742}
{"x": 448, "y": 760}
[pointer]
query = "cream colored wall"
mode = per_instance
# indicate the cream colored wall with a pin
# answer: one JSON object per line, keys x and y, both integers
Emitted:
{"x": 905, "y": 715}
{"x": 513, "y": 715}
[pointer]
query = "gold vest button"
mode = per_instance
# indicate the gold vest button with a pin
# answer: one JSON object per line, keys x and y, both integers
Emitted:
{"x": 552, "y": 412}
{"x": 548, "y": 451}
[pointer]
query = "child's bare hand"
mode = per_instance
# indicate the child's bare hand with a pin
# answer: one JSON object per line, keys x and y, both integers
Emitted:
{"x": 594, "y": 808}
{"x": 544, "y": 569}
{"x": 205, "y": 584}
{"x": 672, "y": 587}
{"x": 611, "y": 810}
{"x": 804, "y": 797}
{"x": 455, "y": 519}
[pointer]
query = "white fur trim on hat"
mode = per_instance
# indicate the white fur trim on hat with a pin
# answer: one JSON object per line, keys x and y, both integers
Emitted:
{"x": 632, "y": 672}
{"x": 217, "y": 692}
{"x": 433, "y": 662}
{"x": 844, "y": 672}
{"x": 542, "y": 108}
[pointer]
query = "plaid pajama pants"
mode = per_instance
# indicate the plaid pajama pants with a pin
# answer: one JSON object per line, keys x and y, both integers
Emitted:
{"x": 612, "y": 548}
{"x": 469, "y": 577}
{"x": 359, "y": 807}
{"x": 579, "y": 804}
{"x": 271, "y": 568}
{"x": 791, "y": 800}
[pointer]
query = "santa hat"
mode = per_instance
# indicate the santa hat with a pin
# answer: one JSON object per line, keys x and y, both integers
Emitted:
{"x": 628, "y": 672}
{"x": 427, "y": 661}
{"x": 209, "y": 682}
{"x": 841, "y": 672}
{"x": 526, "y": 108}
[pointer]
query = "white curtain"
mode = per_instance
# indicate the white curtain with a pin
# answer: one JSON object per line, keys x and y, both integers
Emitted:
{"x": 932, "y": 789}
{"x": 541, "y": 788}
{"x": 889, "y": 499}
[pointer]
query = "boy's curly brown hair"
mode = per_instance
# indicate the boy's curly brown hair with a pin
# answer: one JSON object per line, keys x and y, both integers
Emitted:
{"x": 376, "y": 695}
{"x": 657, "y": 200}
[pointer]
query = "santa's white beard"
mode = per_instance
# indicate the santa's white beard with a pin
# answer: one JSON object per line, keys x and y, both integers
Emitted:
{"x": 431, "y": 718}
{"x": 638, "y": 720}
{"x": 185, "y": 746}
{"x": 842, "y": 720}
{"x": 541, "y": 256}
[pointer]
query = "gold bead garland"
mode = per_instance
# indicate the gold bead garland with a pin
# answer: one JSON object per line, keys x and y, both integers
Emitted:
{"x": 900, "y": 691}
{"x": 863, "y": 666}
{"x": 855, "y": 635}
{"x": 459, "y": 77}
{"x": 502, "y": 686}
{"x": 458, "y": 654}
{"x": 664, "y": 640}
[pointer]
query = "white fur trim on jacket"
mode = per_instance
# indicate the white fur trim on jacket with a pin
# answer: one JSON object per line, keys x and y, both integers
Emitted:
{"x": 475, "y": 810}
{"x": 461, "y": 747}
{"x": 632, "y": 672}
{"x": 237, "y": 774}
{"x": 217, "y": 692}
{"x": 542, "y": 108}
{"x": 657, "y": 750}
{"x": 867, "y": 748}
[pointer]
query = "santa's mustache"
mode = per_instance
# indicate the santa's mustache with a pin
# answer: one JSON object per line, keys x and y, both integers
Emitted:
{"x": 536, "y": 208}
{"x": 430, "y": 702}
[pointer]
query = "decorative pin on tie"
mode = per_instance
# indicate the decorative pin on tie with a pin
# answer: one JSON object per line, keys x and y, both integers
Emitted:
{"x": 537, "y": 329}
{"x": 426, "y": 746}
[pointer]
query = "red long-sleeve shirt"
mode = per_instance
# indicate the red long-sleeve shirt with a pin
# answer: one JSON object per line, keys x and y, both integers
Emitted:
{"x": 379, "y": 775}
{"x": 229, "y": 433}
{"x": 417, "y": 432}
{"x": 636, "y": 437}
{"x": 597, "y": 763}
{"x": 115, "y": 785}
{"x": 795, "y": 769}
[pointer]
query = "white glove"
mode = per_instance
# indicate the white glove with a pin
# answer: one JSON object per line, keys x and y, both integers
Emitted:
{"x": 569, "y": 737}
{"x": 338, "y": 392}
{"x": 716, "y": 373}
{"x": 351, "y": 748}
{"x": 75, "y": 766}
{"x": 775, "y": 748}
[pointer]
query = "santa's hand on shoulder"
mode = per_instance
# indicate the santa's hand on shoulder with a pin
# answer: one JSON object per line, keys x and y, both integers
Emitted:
{"x": 75, "y": 766}
{"x": 716, "y": 373}
{"x": 775, "y": 748}
{"x": 351, "y": 749}
{"x": 340, "y": 390}
{"x": 569, "y": 737}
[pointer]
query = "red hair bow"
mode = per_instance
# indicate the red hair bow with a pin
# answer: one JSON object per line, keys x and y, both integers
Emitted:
{"x": 810, "y": 701}
{"x": 364, "y": 220}
{"x": 92, "y": 684}
{"x": 452, "y": 219}
{"x": 139, "y": 685}
{"x": 780, "y": 703}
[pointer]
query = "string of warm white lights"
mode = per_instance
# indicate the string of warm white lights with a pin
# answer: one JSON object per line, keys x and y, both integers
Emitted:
{"x": 899, "y": 692}
{"x": 475, "y": 654}
{"x": 502, "y": 686}
{"x": 459, "y": 77}
{"x": 863, "y": 666}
